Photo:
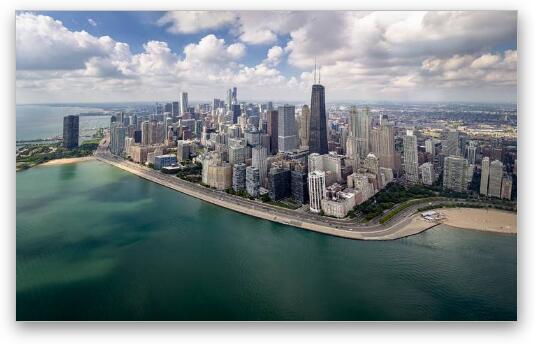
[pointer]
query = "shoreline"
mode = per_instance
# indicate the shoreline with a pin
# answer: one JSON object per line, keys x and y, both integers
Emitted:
{"x": 64, "y": 161}
{"x": 410, "y": 224}
{"x": 485, "y": 220}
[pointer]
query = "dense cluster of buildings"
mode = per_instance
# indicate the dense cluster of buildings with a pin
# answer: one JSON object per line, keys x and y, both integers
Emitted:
{"x": 328, "y": 161}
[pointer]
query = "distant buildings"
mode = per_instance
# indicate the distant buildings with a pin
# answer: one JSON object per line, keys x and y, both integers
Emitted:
{"x": 183, "y": 103}
{"x": 71, "y": 128}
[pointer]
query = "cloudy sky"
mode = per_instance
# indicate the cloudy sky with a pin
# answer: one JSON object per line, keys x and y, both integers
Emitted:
{"x": 364, "y": 56}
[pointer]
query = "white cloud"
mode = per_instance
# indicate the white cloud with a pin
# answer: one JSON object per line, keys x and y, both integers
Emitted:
{"x": 92, "y": 22}
{"x": 194, "y": 21}
{"x": 274, "y": 55}
{"x": 44, "y": 43}
{"x": 363, "y": 55}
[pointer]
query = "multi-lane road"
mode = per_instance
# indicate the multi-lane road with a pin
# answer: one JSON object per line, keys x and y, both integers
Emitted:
{"x": 401, "y": 225}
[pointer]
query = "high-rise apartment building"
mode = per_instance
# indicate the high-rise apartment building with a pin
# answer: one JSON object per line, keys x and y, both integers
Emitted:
{"x": 485, "y": 170}
{"x": 430, "y": 147}
{"x": 316, "y": 190}
{"x": 450, "y": 144}
{"x": 428, "y": 173}
{"x": 279, "y": 183}
{"x": 259, "y": 156}
{"x": 360, "y": 126}
{"x": 317, "y": 139}
{"x": 455, "y": 173}
{"x": 287, "y": 130}
{"x": 71, "y": 130}
{"x": 495, "y": 178}
{"x": 382, "y": 145}
{"x": 252, "y": 181}
{"x": 238, "y": 177}
{"x": 410, "y": 157}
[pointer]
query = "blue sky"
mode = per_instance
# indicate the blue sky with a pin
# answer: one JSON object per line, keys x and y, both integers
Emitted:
{"x": 124, "y": 56}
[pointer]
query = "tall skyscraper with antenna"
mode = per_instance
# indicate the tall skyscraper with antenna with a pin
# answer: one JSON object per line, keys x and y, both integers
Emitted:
{"x": 317, "y": 138}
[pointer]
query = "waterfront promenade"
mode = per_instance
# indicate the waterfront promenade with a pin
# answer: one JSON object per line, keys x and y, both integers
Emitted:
{"x": 405, "y": 223}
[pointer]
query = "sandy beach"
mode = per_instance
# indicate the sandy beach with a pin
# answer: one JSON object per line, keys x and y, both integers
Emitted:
{"x": 490, "y": 220}
{"x": 67, "y": 161}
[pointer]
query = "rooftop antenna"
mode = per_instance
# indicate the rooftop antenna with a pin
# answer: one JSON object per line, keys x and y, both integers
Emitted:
{"x": 314, "y": 69}
{"x": 319, "y": 75}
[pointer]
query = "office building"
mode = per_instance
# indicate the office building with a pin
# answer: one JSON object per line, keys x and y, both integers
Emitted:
{"x": 273, "y": 130}
{"x": 287, "y": 130}
{"x": 304, "y": 127}
{"x": 161, "y": 161}
{"x": 299, "y": 185}
{"x": 71, "y": 129}
{"x": 279, "y": 185}
{"x": 317, "y": 139}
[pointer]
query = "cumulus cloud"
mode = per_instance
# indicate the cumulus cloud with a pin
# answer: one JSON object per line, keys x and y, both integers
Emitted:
{"x": 363, "y": 55}
{"x": 92, "y": 22}
{"x": 194, "y": 21}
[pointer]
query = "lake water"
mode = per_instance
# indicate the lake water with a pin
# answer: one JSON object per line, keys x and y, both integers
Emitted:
{"x": 97, "y": 243}
{"x": 44, "y": 121}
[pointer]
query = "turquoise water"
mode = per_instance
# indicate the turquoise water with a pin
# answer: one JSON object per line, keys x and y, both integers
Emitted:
{"x": 96, "y": 243}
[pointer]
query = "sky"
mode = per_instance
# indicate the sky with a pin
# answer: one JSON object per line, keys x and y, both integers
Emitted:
{"x": 268, "y": 55}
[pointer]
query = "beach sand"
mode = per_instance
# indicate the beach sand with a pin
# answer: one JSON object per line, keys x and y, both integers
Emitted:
{"x": 67, "y": 161}
{"x": 490, "y": 220}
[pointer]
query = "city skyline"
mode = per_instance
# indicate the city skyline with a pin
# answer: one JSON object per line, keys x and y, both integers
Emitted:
{"x": 376, "y": 56}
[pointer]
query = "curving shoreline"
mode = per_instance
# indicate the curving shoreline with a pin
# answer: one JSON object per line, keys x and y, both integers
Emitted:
{"x": 497, "y": 221}
{"x": 407, "y": 224}
{"x": 65, "y": 161}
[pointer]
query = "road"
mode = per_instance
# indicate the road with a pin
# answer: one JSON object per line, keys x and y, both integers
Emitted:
{"x": 397, "y": 227}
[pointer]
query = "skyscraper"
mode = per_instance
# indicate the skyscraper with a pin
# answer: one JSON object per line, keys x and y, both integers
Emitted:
{"x": 287, "y": 129}
{"x": 273, "y": 130}
{"x": 71, "y": 129}
{"x": 317, "y": 139}
{"x": 238, "y": 177}
{"x": 316, "y": 190}
{"x": 259, "y": 155}
{"x": 183, "y": 103}
{"x": 485, "y": 169}
{"x": 145, "y": 138}
{"x": 359, "y": 126}
{"x": 451, "y": 143}
{"x": 304, "y": 128}
{"x": 495, "y": 178}
{"x": 428, "y": 173}
{"x": 455, "y": 173}
{"x": 410, "y": 157}
{"x": 382, "y": 145}
{"x": 236, "y": 112}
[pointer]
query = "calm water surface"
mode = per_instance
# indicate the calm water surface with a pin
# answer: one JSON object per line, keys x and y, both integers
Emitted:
{"x": 96, "y": 243}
